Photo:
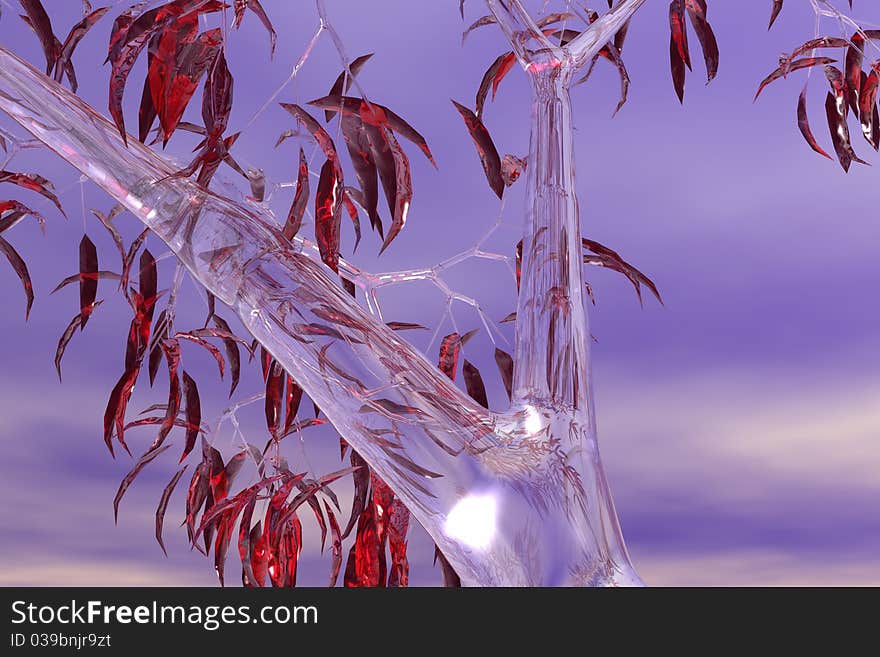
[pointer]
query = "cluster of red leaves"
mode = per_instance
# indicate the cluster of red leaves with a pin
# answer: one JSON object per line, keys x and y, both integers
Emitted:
{"x": 179, "y": 57}
{"x": 679, "y": 53}
{"x": 851, "y": 90}
{"x": 370, "y": 132}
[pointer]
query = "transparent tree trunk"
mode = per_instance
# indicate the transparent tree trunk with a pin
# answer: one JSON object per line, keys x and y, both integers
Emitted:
{"x": 512, "y": 499}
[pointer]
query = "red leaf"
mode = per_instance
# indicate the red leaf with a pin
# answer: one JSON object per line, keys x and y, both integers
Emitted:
{"x": 245, "y": 547}
{"x": 33, "y": 183}
{"x": 20, "y": 268}
{"x": 232, "y": 353}
{"x": 130, "y": 477}
{"x": 300, "y": 199}
{"x": 193, "y": 413}
{"x": 211, "y": 349}
{"x": 777, "y": 7}
{"x": 76, "y": 35}
{"x": 39, "y": 21}
{"x": 217, "y": 99}
{"x": 679, "y": 57}
{"x": 328, "y": 208}
{"x": 360, "y": 151}
{"x": 450, "y": 577}
{"x": 274, "y": 393}
{"x": 405, "y": 326}
{"x": 789, "y": 67}
{"x": 868, "y": 107}
{"x": 474, "y": 384}
{"x": 163, "y": 506}
{"x": 361, "y": 478}
{"x": 291, "y": 405}
{"x": 485, "y": 149}
{"x": 450, "y": 347}
{"x": 114, "y": 414}
{"x": 335, "y": 546}
{"x": 19, "y": 211}
{"x": 840, "y": 132}
{"x": 356, "y": 223}
{"x": 76, "y": 278}
{"x": 171, "y": 349}
{"x": 88, "y": 278}
{"x": 505, "y": 366}
{"x": 363, "y": 568}
{"x": 493, "y": 77}
{"x": 66, "y": 337}
{"x": 394, "y": 172}
{"x": 697, "y": 11}
{"x": 605, "y": 257}
{"x": 804, "y": 124}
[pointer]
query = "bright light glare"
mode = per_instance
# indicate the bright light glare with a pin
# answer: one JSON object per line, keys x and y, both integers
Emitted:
{"x": 473, "y": 521}
{"x": 533, "y": 420}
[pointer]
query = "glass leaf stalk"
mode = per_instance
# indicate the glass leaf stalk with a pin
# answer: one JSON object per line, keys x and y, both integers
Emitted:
{"x": 512, "y": 499}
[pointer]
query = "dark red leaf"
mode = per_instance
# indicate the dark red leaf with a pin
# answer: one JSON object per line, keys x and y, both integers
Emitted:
{"x": 232, "y": 353}
{"x": 697, "y": 11}
{"x": 335, "y": 545}
{"x": 76, "y": 278}
{"x": 66, "y": 337}
{"x": 356, "y": 223}
{"x": 88, "y": 278}
{"x": 492, "y": 78}
{"x": 171, "y": 349}
{"x": 360, "y": 151}
{"x": 300, "y": 199}
{"x": 211, "y": 349}
{"x": 450, "y": 577}
{"x": 163, "y": 506}
{"x": 840, "y": 132}
{"x": 76, "y": 35}
{"x": 405, "y": 326}
{"x": 274, "y": 394}
{"x": 804, "y": 124}
{"x": 328, "y": 209}
{"x": 248, "y": 577}
{"x": 20, "y": 268}
{"x": 193, "y": 413}
{"x": 133, "y": 473}
{"x": 790, "y": 67}
{"x": 39, "y": 21}
{"x": 363, "y": 568}
{"x": 474, "y": 384}
{"x": 485, "y": 148}
{"x": 605, "y": 257}
{"x": 114, "y": 414}
{"x": 33, "y": 183}
{"x": 505, "y": 366}
{"x": 293, "y": 398}
{"x": 868, "y": 107}
{"x": 679, "y": 56}
{"x": 18, "y": 212}
{"x": 777, "y": 7}
{"x": 361, "y": 478}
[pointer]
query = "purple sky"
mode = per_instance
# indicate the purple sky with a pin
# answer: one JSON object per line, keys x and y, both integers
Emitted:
{"x": 739, "y": 424}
